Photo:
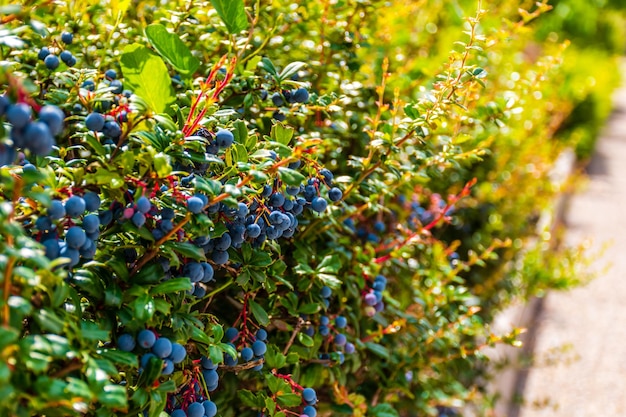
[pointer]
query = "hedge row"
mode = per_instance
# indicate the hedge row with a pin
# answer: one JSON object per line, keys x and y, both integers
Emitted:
{"x": 278, "y": 208}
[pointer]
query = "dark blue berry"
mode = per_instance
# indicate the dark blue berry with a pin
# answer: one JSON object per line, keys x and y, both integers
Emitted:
{"x": 94, "y": 121}
{"x": 67, "y": 38}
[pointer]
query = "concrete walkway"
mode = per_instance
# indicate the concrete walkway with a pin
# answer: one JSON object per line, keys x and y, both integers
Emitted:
{"x": 579, "y": 367}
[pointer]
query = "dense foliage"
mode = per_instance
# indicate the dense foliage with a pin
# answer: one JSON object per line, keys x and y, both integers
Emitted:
{"x": 272, "y": 208}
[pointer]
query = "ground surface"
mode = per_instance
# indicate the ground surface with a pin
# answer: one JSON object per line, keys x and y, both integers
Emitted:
{"x": 580, "y": 343}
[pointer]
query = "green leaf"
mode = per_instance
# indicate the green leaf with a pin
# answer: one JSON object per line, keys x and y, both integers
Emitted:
{"x": 200, "y": 336}
{"x": 290, "y": 176}
{"x": 289, "y": 399}
{"x": 383, "y": 410}
{"x": 113, "y": 396}
{"x": 172, "y": 286}
{"x": 143, "y": 307}
{"x": 146, "y": 74}
{"x": 281, "y": 133}
{"x": 232, "y": 13}
{"x": 188, "y": 250}
{"x": 380, "y": 350}
{"x": 79, "y": 388}
{"x": 259, "y": 313}
{"x": 91, "y": 331}
{"x": 260, "y": 259}
{"x": 329, "y": 265}
{"x": 291, "y": 69}
{"x": 119, "y": 357}
{"x": 268, "y": 66}
{"x": 274, "y": 359}
{"x": 249, "y": 399}
{"x": 172, "y": 48}
{"x": 305, "y": 339}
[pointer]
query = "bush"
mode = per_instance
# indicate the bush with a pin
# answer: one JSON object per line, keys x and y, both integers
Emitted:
{"x": 284, "y": 209}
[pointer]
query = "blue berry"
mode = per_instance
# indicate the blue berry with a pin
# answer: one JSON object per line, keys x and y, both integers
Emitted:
{"x": 210, "y": 409}
{"x": 341, "y": 322}
{"x": 67, "y": 38}
{"x": 38, "y": 139}
{"x": 53, "y": 117}
{"x": 208, "y": 272}
{"x": 224, "y": 138}
{"x": 259, "y": 348}
{"x": 19, "y": 115}
{"x": 277, "y": 99}
{"x": 326, "y": 292}
{"x": 261, "y": 334}
{"x": 43, "y": 53}
{"x": 309, "y": 395}
{"x": 324, "y": 320}
{"x": 143, "y": 204}
{"x": 111, "y": 74}
{"x": 146, "y": 338}
{"x": 195, "y": 204}
{"x": 75, "y": 237}
{"x": 309, "y": 411}
{"x": 231, "y": 334}
{"x": 277, "y": 115}
{"x": 52, "y": 248}
{"x": 112, "y": 129}
{"x": 210, "y": 376}
{"x": 91, "y": 223}
{"x": 126, "y": 342}
{"x": 52, "y": 62}
{"x": 71, "y": 253}
{"x": 92, "y": 201}
{"x": 117, "y": 87}
{"x": 195, "y": 409}
{"x": 178, "y": 353}
{"x": 178, "y": 413}
{"x": 340, "y": 339}
{"x": 301, "y": 95}
{"x": 138, "y": 219}
{"x": 207, "y": 363}
{"x": 223, "y": 242}
{"x": 94, "y": 122}
{"x": 88, "y": 85}
{"x": 220, "y": 257}
{"x": 253, "y": 230}
{"x": 194, "y": 271}
{"x": 247, "y": 354}
{"x": 277, "y": 200}
{"x": 168, "y": 367}
{"x": 162, "y": 347}
{"x": 334, "y": 194}
{"x": 324, "y": 330}
{"x": 349, "y": 348}
{"x": 66, "y": 56}
{"x": 319, "y": 204}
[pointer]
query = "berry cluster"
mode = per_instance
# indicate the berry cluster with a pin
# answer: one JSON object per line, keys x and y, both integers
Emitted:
{"x": 80, "y": 230}
{"x": 107, "y": 113}
{"x": 51, "y": 60}
{"x": 373, "y": 299}
{"x": 252, "y": 348}
{"x": 271, "y": 215}
{"x": 309, "y": 397}
{"x": 162, "y": 348}
{"x": 37, "y": 136}
{"x": 190, "y": 400}
{"x": 281, "y": 99}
